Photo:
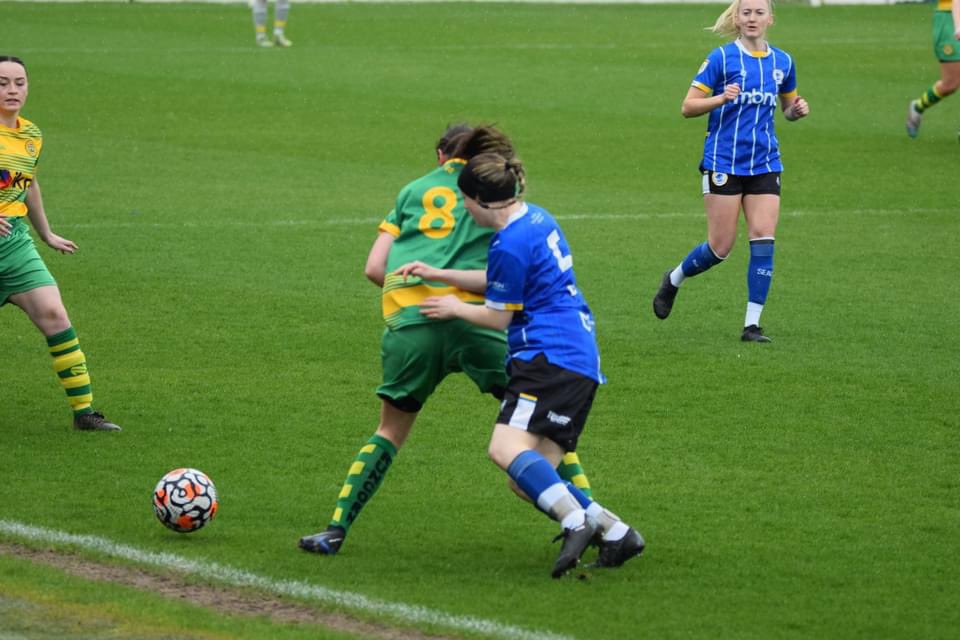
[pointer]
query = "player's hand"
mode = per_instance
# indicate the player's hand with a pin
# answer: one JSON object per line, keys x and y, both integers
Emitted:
{"x": 730, "y": 92}
{"x": 60, "y": 244}
{"x": 417, "y": 269}
{"x": 799, "y": 108}
{"x": 5, "y": 227}
{"x": 441, "y": 308}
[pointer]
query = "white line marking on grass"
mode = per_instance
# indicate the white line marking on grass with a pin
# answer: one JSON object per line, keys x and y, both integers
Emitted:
{"x": 239, "y": 578}
{"x": 369, "y": 221}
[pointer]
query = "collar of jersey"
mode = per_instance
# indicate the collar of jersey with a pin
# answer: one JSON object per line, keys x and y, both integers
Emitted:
{"x": 753, "y": 54}
{"x": 516, "y": 216}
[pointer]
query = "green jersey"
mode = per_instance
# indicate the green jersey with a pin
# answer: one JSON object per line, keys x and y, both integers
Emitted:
{"x": 430, "y": 224}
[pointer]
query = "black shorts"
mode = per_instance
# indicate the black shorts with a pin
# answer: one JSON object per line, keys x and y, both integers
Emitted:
{"x": 727, "y": 184}
{"x": 547, "y": 400}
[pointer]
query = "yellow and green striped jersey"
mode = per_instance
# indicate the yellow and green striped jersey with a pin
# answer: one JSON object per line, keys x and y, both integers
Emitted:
{"x": 19, "y": 154}
{"x": 430, "y": 224}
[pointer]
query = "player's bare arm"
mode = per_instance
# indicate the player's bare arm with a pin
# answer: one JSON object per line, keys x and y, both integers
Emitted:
{"x": 39, "y": 221}
{"x": 697, "y": 102}
{"x": 794, "y": 107}
{"x": 473, "y": 280}
{"x": 450, "y": 307}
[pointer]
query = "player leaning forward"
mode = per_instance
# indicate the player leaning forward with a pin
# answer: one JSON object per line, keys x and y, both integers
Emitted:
{"x": 24, "y": 278}
{"x": 739, "y": 85}
{"x": 554, "y": 363}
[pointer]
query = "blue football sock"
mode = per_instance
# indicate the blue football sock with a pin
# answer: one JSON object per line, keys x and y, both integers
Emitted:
{"x": 699, "y": 260}
{"x": 760, "y": 270}
{"x": 539, "y": 480}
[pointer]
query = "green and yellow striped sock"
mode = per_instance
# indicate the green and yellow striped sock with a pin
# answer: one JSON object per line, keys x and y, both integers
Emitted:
{"x": 71, "y": 367}
{"x": 929, "y": 98}
{"x": 571, "y": 470}
{"x": 364, "y": 478}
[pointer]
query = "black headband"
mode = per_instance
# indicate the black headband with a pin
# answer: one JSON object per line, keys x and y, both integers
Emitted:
{"x": 472, "y": 186}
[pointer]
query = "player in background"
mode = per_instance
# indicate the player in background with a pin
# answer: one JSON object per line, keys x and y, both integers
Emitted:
{"x": 428, "y": 223}
{"x": 739, "y": 85}
{"x": 24, "y": 278}
{"x": 554, "y": 364}
{"x": 280, "y": 13}
{"x": 946, "y": 46}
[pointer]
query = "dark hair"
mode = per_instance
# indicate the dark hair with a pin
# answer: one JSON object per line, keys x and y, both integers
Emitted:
{"x": 484, "y": 139}
{"x": 491, "y": 177}
{"x": 451, "y": 138}
{"x": 13, "y": 59}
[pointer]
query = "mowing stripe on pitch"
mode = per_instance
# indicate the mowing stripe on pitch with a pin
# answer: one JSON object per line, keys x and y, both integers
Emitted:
{"x": 239, "y": 578}
{"x": 371, "y": 221}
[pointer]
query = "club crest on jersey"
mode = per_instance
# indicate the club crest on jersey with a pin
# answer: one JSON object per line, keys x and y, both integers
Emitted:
{"x": 31, "y": 148}
{"x": 703, "y": 67}
{"x": 778, "y": 76}
{"x": 719, "y": 179}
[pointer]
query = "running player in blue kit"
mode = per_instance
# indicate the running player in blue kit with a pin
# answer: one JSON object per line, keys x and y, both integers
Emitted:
{"x": 739, "y": 85}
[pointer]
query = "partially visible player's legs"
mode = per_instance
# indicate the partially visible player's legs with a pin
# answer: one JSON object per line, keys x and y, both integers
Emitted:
{"x": 571, "y": 470}
{"x": 364, "y": 477}
{"x": 762, "y": 212}
{"x": 947, "y": 49}
{"x": 514, "y": 451}
{"x": 618, "y": 541}
{"x": 260, "y": 23}
{"x": 45, "y": 308}
{"x": 280, "y": 13}
{"x": 723, "y": 211}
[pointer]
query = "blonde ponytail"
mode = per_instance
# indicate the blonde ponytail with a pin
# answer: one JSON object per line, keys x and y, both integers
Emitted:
{"x": 725, "y": 25}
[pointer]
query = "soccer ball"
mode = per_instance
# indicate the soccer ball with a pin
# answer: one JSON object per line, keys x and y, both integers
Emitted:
{"x": 185, "y": 500}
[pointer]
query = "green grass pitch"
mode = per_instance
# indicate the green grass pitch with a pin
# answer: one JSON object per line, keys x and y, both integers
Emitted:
{"x": 224, "y": 199}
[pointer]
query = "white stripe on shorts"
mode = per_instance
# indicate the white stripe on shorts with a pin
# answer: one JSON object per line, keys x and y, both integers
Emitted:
{"x": 523, "y": 411}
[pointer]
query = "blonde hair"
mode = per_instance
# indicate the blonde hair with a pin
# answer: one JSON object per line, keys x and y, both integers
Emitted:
{"x": 726, "y": 25}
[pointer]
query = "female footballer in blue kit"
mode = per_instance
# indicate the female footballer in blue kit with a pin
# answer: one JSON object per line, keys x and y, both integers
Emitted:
{"x": 739, "y": 85}
{"x": 553, "y": 361}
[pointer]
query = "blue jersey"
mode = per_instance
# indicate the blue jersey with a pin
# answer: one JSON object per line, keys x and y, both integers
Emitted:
{"x": 740, "y": 137}
{"x": 530, "y": 272}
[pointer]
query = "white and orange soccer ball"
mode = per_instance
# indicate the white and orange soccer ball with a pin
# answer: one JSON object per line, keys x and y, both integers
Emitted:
{"x": 185, "y": 500}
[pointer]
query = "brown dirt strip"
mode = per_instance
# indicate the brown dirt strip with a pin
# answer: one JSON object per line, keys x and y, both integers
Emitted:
{"x": 231, "y": 601}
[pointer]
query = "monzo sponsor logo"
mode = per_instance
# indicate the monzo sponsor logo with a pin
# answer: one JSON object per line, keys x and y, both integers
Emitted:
{"x": 757, "y": 97}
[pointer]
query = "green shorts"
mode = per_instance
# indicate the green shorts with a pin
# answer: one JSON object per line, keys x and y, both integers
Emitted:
{"x": 416, "y": 358}
{"x": 21, "y": 267}
{"x": 945, "y": 46}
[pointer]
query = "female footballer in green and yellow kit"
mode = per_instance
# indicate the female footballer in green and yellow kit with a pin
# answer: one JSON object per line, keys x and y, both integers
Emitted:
{"x": 24, "y": 279}
{"x": 946, "y": 46}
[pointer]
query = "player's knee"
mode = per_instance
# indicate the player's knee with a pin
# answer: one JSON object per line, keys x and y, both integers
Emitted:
{"x": 52, "y": 319}
{"x": 722, "y": 248}
{"x": 499, "y": 455}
